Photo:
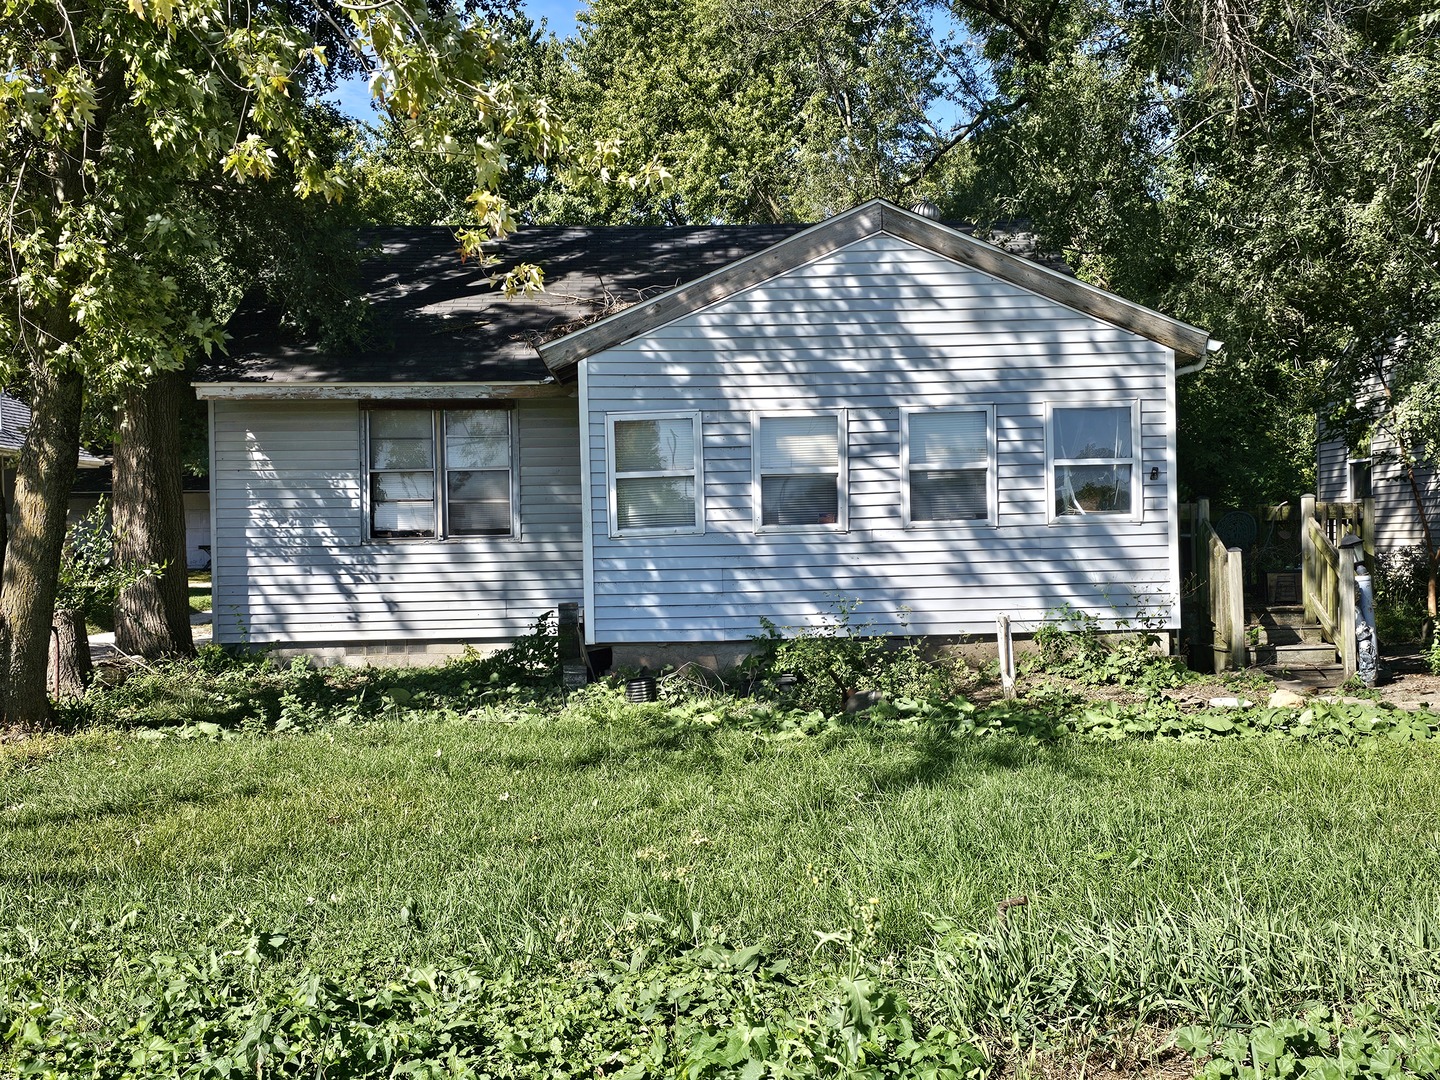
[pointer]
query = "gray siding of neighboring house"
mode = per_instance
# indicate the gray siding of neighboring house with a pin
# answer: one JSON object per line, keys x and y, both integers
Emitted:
{"x": 1332, "y": 482}
{"x": 292, "y": 564}
{"x": 876, "y": 326}
{"x": 1397, "y": 520}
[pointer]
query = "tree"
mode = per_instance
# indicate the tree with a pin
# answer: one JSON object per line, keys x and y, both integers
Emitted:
{"x": 785, "y": 112}
{"x": 110, "y": 113}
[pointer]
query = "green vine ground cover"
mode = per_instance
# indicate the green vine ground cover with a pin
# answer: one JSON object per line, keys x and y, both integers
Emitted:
{"x": 436, "y": 878}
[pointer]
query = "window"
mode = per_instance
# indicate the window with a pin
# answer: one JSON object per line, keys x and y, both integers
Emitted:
{"x": 439, "y": 473}
{"x": 800, "y": 470}
{"x": 1093, "y": 460}
{"x": 1358, "y": 476}
{"x": 654, "y": 463}
{"x": 947, "y": 456}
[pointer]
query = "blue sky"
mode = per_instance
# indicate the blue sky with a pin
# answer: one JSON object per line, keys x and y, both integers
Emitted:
{"x": 353, "y": 96}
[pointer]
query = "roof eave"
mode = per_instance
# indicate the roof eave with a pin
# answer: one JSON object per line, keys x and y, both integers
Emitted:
{"x": 357, "y": 391}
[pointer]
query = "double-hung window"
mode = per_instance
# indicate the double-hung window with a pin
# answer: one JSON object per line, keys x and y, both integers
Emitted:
{"x": 655, "y": 474}
{"x": 948, "y": 461}
{"x": 800, "y": 470}
{"x": 1093, "y": 465}
{"x": 437, "y": 473}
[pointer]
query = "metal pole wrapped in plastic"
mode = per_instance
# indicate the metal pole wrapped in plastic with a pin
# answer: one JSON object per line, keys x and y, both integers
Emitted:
{"x": 1367, "y": 652}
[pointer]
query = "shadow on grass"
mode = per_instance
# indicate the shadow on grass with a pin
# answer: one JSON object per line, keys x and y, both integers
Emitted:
{"x": 940, "y": 757}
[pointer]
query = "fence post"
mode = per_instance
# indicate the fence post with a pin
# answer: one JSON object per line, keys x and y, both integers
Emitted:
{"x": 1346, "y": 628}
{"x": 1367, "y": 527}
{"x": 1235, "y": 588}
{"x": 1309, "y": 587}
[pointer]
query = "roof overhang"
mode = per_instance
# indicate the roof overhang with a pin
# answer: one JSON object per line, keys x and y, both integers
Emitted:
{"x": 403, "y": 391}
{"x": 1190, "y": 344}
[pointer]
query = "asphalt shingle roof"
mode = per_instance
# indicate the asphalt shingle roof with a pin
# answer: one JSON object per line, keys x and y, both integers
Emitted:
{"x": 436, "y": 318}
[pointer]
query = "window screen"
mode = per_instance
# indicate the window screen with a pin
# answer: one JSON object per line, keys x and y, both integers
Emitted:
{"x": 798, "y": 462}
{"x": 949, "y": 463}
{"x": 472, "y": 466}
{"x": 654, "y": 473}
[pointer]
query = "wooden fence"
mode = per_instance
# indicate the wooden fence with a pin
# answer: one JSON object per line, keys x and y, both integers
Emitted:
{"x": 1220, "y": 579}
{"x": 1328, "y": 574}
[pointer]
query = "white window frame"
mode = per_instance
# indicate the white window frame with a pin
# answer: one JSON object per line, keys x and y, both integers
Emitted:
{"x": 1137, "y": 476}
{"x": 439, "y": 470}
{"x": 992, "y": 487}
{"x": 842, "y": 478}
{"x": 698, "y": 474}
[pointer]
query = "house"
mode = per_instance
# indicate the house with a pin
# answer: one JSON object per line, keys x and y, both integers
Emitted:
{"x": 694, "y": 429}
{"x": 14, "y": 426}
{"x": 1346, "y": 475}
{"x": 92, "y": 486}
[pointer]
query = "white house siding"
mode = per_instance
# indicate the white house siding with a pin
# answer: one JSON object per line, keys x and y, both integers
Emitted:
{"x": 292, "y": 565}
{"x": 871, "y": 328}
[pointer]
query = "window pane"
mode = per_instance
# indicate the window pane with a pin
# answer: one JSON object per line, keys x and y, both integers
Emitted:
{"x": 666, "y": 444}
{"x": 949, "y": 495}
{"x": 403, "y": 486}
{"x": 477, "y": 439}
{"x": 478, "y": 503}
{"x": 1092, "y": 433}
{"x": 654, "y": 502}
{"x": 402, "y": 504}
{"x": 1092, "y": 489}
{"x": 949, "y": 439}
{"x": 477, "y": 423}
{"x": 400, "y": 453}
{"x": 799, "y": 500}
{"x": 797, "y": 442}
{"x": 400, "y": 424}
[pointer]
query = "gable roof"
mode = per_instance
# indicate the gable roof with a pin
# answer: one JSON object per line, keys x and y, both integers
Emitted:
{"x": 15, "y": 425}
{"x": 1191, "y": 344}
{"x": 435, "y": 318}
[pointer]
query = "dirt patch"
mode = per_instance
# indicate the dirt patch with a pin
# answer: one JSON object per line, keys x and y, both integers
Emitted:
{"x": 1149, "y": 1054}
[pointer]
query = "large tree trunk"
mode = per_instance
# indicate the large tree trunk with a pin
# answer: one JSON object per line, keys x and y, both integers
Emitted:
{"x": 152, "y": 618}
{"x": 32, "y": 557}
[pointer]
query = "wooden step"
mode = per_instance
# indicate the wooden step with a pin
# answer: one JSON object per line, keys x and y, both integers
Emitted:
{"x": 1280, "y": 616}
{"x": 1297, "y": 655}
{"x": 1290, "y": 635}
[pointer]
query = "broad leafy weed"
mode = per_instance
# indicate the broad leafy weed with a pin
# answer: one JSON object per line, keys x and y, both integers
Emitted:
{"x": 666, "y": 1002}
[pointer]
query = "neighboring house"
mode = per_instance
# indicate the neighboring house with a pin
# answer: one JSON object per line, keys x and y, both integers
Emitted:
{"x": 97, "y": 484}
{"x": 14, "y": 424}
{"x": 1346, "y": 475}
{"x": 876, "y": 408}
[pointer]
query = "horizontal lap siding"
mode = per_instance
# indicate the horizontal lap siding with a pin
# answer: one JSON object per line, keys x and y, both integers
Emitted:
{"x": 292, "y": 564}
{"x": 870, "y": 329}
{"x": 1397, "y": 520}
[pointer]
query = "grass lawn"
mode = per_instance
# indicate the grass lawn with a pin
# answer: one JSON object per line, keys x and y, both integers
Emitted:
{"x": 1164, "y": 881}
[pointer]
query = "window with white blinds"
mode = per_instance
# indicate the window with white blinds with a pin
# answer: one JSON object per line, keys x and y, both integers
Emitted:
{"x": 949, "y": 464}
{"x": 436, "y": 473}
{"x": 800, "y": 470}
{"x": 655, "y": 476}
{"x": 1093, "y": 459}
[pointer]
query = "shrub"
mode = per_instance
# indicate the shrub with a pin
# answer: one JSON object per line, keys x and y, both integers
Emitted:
{"x": 1073, "y": 646}
{"x": 838, "y": 662}
{"x": 1400, "y": 584}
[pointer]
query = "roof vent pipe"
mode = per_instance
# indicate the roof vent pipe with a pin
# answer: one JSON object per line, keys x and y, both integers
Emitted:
{"x": 926, "y": 209}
